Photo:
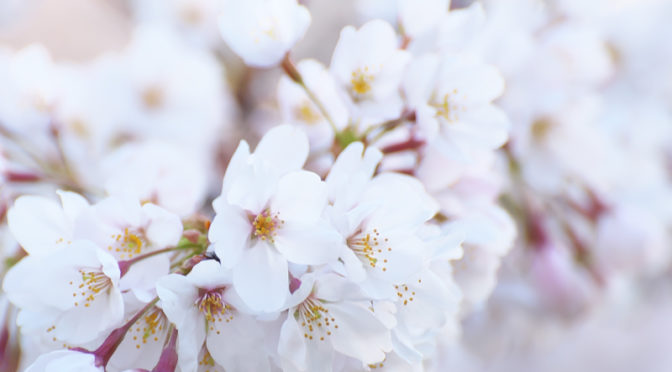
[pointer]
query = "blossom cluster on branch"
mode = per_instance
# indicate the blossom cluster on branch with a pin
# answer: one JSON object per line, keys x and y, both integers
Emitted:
{"x": 204, "y": 200}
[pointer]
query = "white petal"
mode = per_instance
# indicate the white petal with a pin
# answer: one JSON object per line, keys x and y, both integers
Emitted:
{"x": 229, "y": 233}
{"x": 252, "y": 188}
{"x": 300, "y": 199}
{"x": 420, "y": 78}
{"x": 404, "y": 202}
{"x": 209, "y": 274}
{"x": 177, "y": 297}
{"x": 142, "y": 275}
{"x": 261, "y": 278}
{"x": 38, "y": 223}
{"x": 164, "y": 228}
{"x": 285, "y": 147}
{"x": 238, "y": 161}
{"x": 351, "y": 171}
{"x": 360, "y": 335}
{"x": 64, "y": 361}
{"x": 73, "y": 204}
{"x": 319, "y": 244}
{"x": 235, "y": 344}
{"x": 292, "y": 345}
{"x": 475, "y": 81}
{"x": 482, "y": 127}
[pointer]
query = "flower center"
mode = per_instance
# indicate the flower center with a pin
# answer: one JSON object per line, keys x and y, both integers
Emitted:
{"x": 266, "y": 225}
{"x": 447, "y": 108}
{"x": 92, "y": 283}
{"x": 269, "y": 28}
{"x": 404, "y": 295}
{"x": 371, "y": 248}
{"x": 306, "y": 113}
{"x": 361, "y": 82}
{"x": 541, "y": 128}
{"x": 378, "y": 365}
{"x": 152, "y": 98}
{"x": 191, "y": 16}
{"x": 315, "y": 319}
{"x": 146, "y": 328}
{"x": 126, "y": 245}
{"x": 211, "y": 304}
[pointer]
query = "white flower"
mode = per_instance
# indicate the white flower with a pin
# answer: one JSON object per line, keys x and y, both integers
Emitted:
{"x": 330, "y": 313}
{"x": 269, "y": 213}
{"x": 207, "y": 311}
{"x": 261, "y": 32}
{"x": 425, "y": 302}
{"x": 126, "y": 230}
{"x": 418, "y": 16}
{"x": 350, "y": 175}
{"x": 368, "y": 66}
{"x": 71, "y": 292}
{"x": 195, "y": 19}
{"x": 155, "y": 82}
{"x": 117, "y": 224}
{"x": 162, "y": 173}
{"x": 297, "y": 108}
{"x": 54, "y": 222}
{"x": 65, "y": 361}
{"x": 489, "y": 233}
{"x": 29, "y": 90}
{"x": 459, "y": 30}
{"x": 143, "y": 343}
{"x": 629, "y": 240}
{"x": 452, "y": 99}
{"x": 379, "y": 219}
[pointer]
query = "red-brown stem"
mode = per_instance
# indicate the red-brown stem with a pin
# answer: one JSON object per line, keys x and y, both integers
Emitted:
{"x": 290, "y": 69}
{"x": 125, "y": 265}
{"x": 536, "y": 234}
{"x": 404, "y": 42}
{"x": 15, "y": 176}
{"x": 408, "y": 171}
{"x": 582, "y": 254}
{"x": 410, "y": 144}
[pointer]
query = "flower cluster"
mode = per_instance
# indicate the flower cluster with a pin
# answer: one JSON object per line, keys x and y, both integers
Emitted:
{"x": 438, "y": 183}
{"x": 333, "y": 243}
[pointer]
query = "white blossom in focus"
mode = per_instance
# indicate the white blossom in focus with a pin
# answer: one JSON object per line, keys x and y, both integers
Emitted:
{"x": 65, "y": 361}
{"x": 330, "y": 314}
{"x": 208, "y": 313}
{"x": 71, "y": 292}
{"x": 269, "y": 214}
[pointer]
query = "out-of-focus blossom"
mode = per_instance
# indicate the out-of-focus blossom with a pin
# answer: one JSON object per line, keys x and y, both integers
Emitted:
{"x": 261, "y": 32}
{"x": 368, "y": 66}
{"x": 417, "y": 17}
{"x": 452, "y": 99}
{"x": 296, "y": 107}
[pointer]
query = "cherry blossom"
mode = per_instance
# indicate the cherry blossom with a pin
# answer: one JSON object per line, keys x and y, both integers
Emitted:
{"x": 207, "y": 297}
{"x": 262, "y": 31}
